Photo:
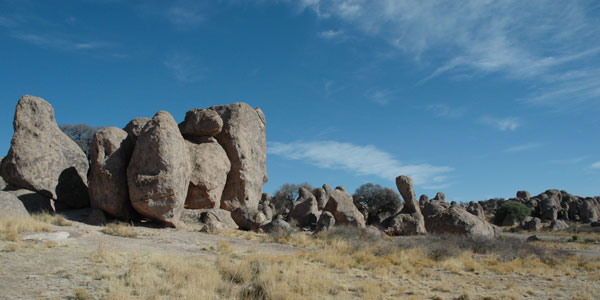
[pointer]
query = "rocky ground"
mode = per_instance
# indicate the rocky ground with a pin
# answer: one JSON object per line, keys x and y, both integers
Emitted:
{"x": 80, "y": 261}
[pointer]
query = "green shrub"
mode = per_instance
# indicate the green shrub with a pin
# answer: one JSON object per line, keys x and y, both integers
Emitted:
{"x": 514, "y": 208}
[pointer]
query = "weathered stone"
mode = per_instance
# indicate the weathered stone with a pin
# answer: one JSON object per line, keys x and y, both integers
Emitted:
{"x": 266, "y": 206}
{"x": 326, "y": 221}
{"x": 422, "y": 200}
{"x": 410, "y": 220}
{"x": 42, "y": 158}
{"x": 523, "y": 195}
{"x": 201, "y": 122}
{"x": 248, "y": 218}
{"x": 341, "y": 206}
{"x": 405, "y": 187}
{"x": 210, "y": 167}
{"x": 455, "y": 220}
{"x": 588, "y": 211}
{"x": 306, "y": 211}
{"x": 534, "y": 224}
{"x": 550, "y": 204}
{"x": 11, "y": 207}
{"x": 244, "y": 139}
{"x": 558, "y": 225}
{"x": 159, "y": 171}
{"x": 276, "y": 225}
{"x": 134, "y": 128}
{"x": 321, "y": 197}
{"x": 34, "y": 202}
{"x": 441, "y": 197}
{"x": 110, "y": 153}
{"x": 475, "y": 209}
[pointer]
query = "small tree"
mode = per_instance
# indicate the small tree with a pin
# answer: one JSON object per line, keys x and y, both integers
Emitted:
{"x": 372, "y": 199}
{"x": 515, "y": 208}
{"x": 82, "y": 134}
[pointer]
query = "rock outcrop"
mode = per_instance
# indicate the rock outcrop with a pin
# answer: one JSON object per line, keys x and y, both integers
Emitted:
{"x": 455, "y": 220}
{"x": 158, "y": 174}
{"x": 134, "y": 128}
{"x": 11, "y": 207}
{"x": 244, "y": 139}
{"x": 341, "y": 206}
{"x": 42, "y": 158}
{"x": 110, "y": 153}
{"x": 210, "y": 167}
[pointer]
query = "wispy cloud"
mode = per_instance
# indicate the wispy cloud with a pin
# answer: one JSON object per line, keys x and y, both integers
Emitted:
{"x": 182, "y": 14}
{"x": 331, "y": 34}
{"x": 445, "y": 111}
{"x": 357, "y": 159}
{"x": 379, "y": 96}
{"x": 522, "y": 40}
{"x": 502, "y": 124}
{"x": 569, "y": 161}
{"x": 521, "y": 148}
{"x": 595, "y": 165}
{"x": 184, "y": 67}
{"x": 49, "y": 41}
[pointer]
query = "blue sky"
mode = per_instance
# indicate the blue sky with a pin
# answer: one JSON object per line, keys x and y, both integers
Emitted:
{"x": 477, "y": 99}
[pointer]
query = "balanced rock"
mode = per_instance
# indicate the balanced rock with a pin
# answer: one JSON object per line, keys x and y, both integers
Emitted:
{"x": 244, "y": 139}
{"x": 134, "y": 128}
{"x": 44, "y": 159}
{"x": 158, "y": 174}
{"x": 305, "y": 211}
{"x": 210, "y": 167}
{"x": 11, "y": 207}
{"x": 201, "y": 122}
{"x": 409, "y": 221}
{"x": 110, "y": 153}
{"x": 341, "y": 206}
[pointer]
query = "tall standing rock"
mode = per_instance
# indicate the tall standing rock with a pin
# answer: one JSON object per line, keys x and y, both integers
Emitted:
{"x": 110, "y": 153}
{"x": 306, "y": 209}
{"x": 159, "y": 171}
{"x": 341, "y": 206}
{"x": 244, "y": 139}
{"x": 409, "y": 221}
{"x": 210, "y": 167}
{"x": 44, "y": 159}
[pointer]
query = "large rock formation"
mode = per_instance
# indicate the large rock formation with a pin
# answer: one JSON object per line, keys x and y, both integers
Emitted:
{"x": 440, "y": 219}
{"x": 110, "y": 153}
{"x": 244, "y": 139}
{"x": 11, "y": 207}
{"x": 341, "y": 206}
{"x": 306, "y": 210}
{"x": 210, "y": 167}
{"x": 42, "y": 158}
{"x": 409, "y": 221}
{"x": 134, "y": 128}
{"x": 201, "y": 122}
{"x": 158, "y": 174}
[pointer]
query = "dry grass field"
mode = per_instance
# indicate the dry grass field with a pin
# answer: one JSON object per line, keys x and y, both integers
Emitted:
{"x": 120, "y": 261}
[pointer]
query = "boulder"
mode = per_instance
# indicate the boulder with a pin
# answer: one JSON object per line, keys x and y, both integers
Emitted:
{"x": 34, "y": 202}
{"x": 532, "y": 224}
{"x": 248, "y": 218}
{"x": 134, "y": 128}
{"x": 266, "y": 206}
{"x": 215, "y": 220}
{"x": 475, "y": 209}
{"x": 550, "y": 204}
{"x": 305, "y": 211}
{"x": 441, "y": 197}
{"x": 11, "y": 207}
{"x": 455, "y": 220}
{"x": 110, "y": 153}
{"x": 321, "y": 196}
{"x": 159, "y": 171}
{"x": 276, "y": 225}
{"x": 244, "y": 139}
{"x": 523, "y": 195}
{"x": 558, "y": 225}
{"x": 588, "y": 210}
{"x": 405, "y": 187}
{"x": 423, "y": 199}
{"x": 210, "y": 167}
{"x": 341, "y": 206}
{"x": 201, "y": 122}
{"x": 44, "y": 159}
{"x": 326, "y": 221}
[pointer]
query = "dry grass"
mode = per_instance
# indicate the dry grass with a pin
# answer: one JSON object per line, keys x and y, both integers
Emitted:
{"x": 11, "y": 228}
{"x": 54, "y": 219}
{"x": 120, "y": 229}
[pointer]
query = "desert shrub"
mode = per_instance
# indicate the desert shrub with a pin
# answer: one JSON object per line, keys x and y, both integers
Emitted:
{"x": 514, "y": 208}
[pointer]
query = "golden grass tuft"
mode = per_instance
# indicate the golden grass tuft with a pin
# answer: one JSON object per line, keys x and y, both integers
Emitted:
{"x": 120, "y": 229}
{"x": 54, "y": 219}
{"x": 12, "y": 227}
